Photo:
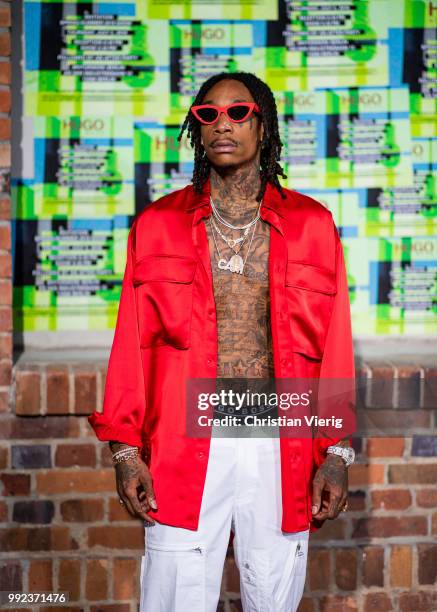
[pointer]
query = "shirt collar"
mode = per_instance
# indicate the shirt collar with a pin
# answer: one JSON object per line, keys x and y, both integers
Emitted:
{"x": 272, "y": 201}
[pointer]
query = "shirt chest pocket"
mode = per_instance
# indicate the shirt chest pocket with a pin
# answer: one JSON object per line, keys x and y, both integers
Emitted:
{"x": 164, "y": 296}
{"x": 310, "y": 294}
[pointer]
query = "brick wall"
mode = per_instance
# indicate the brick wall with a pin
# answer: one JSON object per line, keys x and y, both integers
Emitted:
{"x": 64, "y": 529}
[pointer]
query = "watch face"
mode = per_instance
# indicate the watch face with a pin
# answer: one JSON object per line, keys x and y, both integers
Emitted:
{"x": 350, "y": 455}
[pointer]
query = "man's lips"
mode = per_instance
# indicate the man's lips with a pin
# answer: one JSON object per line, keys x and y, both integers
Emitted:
{"x": 223, "y": 146}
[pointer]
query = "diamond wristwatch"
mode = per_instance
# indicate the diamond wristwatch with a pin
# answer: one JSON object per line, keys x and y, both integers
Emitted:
{"x": 347, "y": 454}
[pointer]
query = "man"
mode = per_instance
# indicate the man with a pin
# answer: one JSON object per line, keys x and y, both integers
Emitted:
{"x": 232, "y": 276}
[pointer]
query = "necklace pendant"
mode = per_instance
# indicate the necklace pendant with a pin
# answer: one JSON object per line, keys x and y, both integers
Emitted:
{"x": 236, "y": 264}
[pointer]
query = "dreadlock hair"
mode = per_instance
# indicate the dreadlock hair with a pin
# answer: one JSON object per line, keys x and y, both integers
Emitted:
{"x": 271, "y": 145}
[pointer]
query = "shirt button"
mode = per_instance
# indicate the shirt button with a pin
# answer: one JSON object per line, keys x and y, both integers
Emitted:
{"x": 210, "y": 362}
{"x": 201, "y": 455}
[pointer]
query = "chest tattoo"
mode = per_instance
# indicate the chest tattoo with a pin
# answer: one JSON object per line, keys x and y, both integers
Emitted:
{"x": 243, "y": 308}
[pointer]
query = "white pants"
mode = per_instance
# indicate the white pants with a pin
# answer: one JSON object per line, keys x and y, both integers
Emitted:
{"x": 182, "y": 569}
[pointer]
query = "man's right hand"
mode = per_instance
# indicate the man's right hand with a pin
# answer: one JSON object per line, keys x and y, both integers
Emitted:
{"x": 135, "y": 487}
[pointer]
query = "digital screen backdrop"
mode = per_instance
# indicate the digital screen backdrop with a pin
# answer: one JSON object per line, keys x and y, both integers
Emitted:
{"x": 107, "y": 85}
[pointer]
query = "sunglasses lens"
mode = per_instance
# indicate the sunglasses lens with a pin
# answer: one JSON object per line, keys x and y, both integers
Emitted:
{"x": 238, "y": 113}
{"x": 207, "y": 114}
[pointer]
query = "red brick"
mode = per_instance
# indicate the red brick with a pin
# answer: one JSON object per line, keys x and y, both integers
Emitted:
{"x": 5, "y": 16}
{"x": 5, "y": 319}
{"x": 83, "y": 481}
{"x": 69, "y": 455}
{"x": 421, "y": 601}
{"x": 39, "y": 427}
{"x": 377, "y": 602}
{"x": 129, "y": 538}
{"x": 423, "y": 473}
{"x": 58, "y": 386}
{"x": 126, "y": 578}
{"x": 15, "y": 484}
{"x": 4, "y": 454}
{"x": 401, "y": 561}
{"x": 11, "y": 575}
{"x": 306, "y": 605}
{"x": 5, "y": 236}
{"x": 427, "y": 554}
{"x": 337, "y": 603}
{"x": 365, "y": 473}
{"x": 5, "y": 263}
{"x": 356, "y": 501}
{"x": 409, "y": 383}
{"x": 319, "y": 569}
{"x": 117, "y": 512}
{"x": 5, "y": 404}
{"x": 430, "y": 388}
{"x": 5, "y": 43}
{"x": 331, "y": 530}
{"x": 6, "y": 346}
{"x": 5, "y": 154}
{"x": 388, "y": 420}
{"x": 381, "y": 385}
{"x": 385, "y": 447}
{"x": 36, "y": 538}
{"x": 5, "y": 100}
{"x": 28, "y": 394}
{"x": 5, "y": 372}
{"x": 6, "y": 299}
{"x": 391, "y": 499}
{"x": 5, "y": 200}
{"x": 85, "y": 392}
{"x": 346, "y": 569}
{"x": 389, "y": 526}
{"x": 40, "y": 575}
{"x": 82, "y": 510}
{"x": 434, "y": 524}
{"x": 3, "y": 512}
{"x": 5, "y": 78}
{"x": 96, "y": 586}
{"x": 105, "y": 456}
{"x": 373, "y": 566}
{"x": 426, "y": 498}
{"x": 231, "y": 574}
{"x": 69, "y": 577}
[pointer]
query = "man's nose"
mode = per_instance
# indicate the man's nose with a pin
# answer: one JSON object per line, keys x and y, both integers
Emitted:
{"x": 222, "y": 123}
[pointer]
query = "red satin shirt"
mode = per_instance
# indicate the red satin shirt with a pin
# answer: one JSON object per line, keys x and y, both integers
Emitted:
{"x": 166, "y": 332}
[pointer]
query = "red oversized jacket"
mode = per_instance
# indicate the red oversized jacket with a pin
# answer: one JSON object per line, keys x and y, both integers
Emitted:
{"x": 166, "y": 332}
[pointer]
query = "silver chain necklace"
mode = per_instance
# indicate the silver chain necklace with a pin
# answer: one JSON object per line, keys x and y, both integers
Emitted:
{"x": 235, "y": 263}
{"x": 229, "y": 225}
{"x": 229, "y": 241}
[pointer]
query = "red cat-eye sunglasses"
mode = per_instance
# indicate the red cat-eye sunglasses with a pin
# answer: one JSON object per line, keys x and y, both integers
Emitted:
{"x": 235, "y": 112}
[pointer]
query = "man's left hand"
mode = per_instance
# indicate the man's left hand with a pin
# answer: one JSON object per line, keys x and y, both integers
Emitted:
{"x": 330, "y": 487}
